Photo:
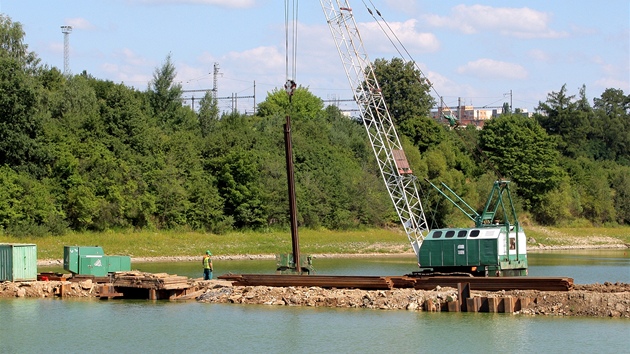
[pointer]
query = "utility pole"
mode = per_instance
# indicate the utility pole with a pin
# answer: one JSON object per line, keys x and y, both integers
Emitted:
{"x": 66, "y": 30}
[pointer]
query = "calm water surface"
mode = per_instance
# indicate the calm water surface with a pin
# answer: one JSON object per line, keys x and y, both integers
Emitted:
{"x": 93, "y": 326}
{"x": 132, "y": 326}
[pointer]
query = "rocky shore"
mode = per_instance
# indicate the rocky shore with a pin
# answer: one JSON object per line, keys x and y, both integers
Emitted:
{"x": 595, "y": 300}
{"x": 605, "y": 300}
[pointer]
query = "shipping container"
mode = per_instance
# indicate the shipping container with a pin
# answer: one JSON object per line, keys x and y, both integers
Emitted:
{"x": 18, "y": 262}
{"x": 91, "y": 260}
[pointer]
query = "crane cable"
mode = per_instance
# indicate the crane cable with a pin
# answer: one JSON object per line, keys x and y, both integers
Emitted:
{"x": 390, "y": 30}
{"x": 410, "y": 59}
{"x": 291, "y": 41}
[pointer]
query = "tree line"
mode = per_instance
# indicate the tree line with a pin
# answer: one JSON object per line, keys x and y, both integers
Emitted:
{"x": 81, "y": 153}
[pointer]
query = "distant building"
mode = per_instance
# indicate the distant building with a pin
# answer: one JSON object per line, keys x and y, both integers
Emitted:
{"x": 467, "y": 115}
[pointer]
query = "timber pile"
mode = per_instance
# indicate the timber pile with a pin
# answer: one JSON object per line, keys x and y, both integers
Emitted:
{"x": 157, "y": 281}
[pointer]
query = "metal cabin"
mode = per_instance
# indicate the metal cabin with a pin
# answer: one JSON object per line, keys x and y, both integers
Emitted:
{"x": 18, "y": 262}
{"x": 91, "y": 260}
{"x": 484, "y": 251}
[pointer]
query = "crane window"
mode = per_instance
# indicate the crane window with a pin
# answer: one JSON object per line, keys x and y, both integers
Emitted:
{"x": 462, "y": 233}
{"x": 450, "y": 234}
{"x": 474, "y": 233}
{"x": 437, "y": 234}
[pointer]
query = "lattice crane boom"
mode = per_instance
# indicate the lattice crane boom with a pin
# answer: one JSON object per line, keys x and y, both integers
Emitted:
{"x": 399, "y": 180}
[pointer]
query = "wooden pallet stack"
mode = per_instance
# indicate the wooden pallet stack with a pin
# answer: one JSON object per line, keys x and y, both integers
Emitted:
{"x": 157, "y": 281}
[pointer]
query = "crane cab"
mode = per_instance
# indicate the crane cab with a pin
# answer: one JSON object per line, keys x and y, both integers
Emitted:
{"x": 485, "y": 251}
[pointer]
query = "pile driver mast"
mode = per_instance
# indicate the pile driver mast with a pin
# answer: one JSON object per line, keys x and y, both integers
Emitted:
{"x": 399, "y": 180}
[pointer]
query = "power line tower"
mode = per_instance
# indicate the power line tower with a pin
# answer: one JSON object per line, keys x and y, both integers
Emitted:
{"x": 66, "y": 48}
{"x": 215, "y": 76}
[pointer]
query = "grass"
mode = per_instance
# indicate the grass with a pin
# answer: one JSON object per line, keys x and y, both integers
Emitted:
{"x": 174, "y": 243}
{"x": 567, "y": 236}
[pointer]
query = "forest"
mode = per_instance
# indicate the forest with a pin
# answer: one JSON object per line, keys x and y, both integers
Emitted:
{"x": 82, "y": 154}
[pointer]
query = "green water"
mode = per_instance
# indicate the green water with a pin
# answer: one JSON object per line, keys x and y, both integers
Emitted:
{"x": 93, "y": 326}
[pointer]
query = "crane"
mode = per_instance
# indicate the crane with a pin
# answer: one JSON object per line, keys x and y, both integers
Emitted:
{"x": 493, "y": 247}
{"x": 399, "y": 180}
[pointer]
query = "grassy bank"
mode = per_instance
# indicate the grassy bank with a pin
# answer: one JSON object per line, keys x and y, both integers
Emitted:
{"x": 583, "y": 236}
{"x": 173, "y": 243}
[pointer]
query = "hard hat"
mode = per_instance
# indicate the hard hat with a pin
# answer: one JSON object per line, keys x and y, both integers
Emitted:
{"x": 208, "y": 253}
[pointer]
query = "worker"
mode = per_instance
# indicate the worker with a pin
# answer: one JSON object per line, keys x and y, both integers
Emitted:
{"x": 207, "y": 266}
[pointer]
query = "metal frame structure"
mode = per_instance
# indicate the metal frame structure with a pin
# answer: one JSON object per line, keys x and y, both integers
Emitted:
{"x": 400, "y": 182}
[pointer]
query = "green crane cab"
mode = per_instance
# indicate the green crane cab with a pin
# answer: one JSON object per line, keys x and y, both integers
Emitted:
{"x": 496, "y": 246}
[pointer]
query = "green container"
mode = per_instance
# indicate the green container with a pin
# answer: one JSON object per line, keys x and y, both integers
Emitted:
{"x": 72, "y": 256}
{"x": 118, "y": 263}
{"x": 18, "y": 262}
{"x": 95, "y": 265}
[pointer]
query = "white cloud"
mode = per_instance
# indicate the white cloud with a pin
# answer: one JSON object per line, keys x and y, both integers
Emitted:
{"x": 401, "y": 5}
{"x": 222, "y": 3}
{"x": 80, "y": 23}
{"x": 513, "y": 22}
{"x": 258, "y": 60}
{"x": 539, "y": 55}
{"x": 129, "y": 57}
{"x": 128, "y": 67}
{"x": 613, "y": 76}
{"x": 493, "y": 69}
{"x": 406, "y": 32}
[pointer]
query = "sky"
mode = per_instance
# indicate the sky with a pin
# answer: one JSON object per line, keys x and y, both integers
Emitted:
{"x": 482, "y": 53}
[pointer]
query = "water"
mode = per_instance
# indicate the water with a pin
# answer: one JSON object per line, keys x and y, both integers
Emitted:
{"x": 93, "y": 326}
{"x": 134, "y": 326}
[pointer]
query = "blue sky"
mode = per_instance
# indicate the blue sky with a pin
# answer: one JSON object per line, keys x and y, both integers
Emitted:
{"x": 476, "y": 50}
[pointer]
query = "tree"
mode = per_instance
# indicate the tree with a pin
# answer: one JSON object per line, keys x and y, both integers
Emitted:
{"x": 567, "y": 119}
{"x": 20, "y": 125}
{"x": 405, "y": 91}
{"x": 610, "y": 138}
{"x": 164, "y": 94}
{"x": 12, "y": 43}
{"x": 423, "y": 132}
{"x": 524, "y": 153}
{"x": 208, "y": 113}
{"x": 303, "y": 104}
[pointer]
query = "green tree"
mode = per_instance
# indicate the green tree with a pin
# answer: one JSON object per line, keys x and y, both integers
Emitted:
{"x": 302, "y": 104}
{"x": 21, "y": 126}
{"x": 164, "y": 93}
{"x": 405, "y": 90}
{"x": 611, "y": 132}
{"x": 12, "y": 43}
{"x": 567, "y": 119}
{"x": 524, "y": 153}
{"x": 208, "y": 113}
